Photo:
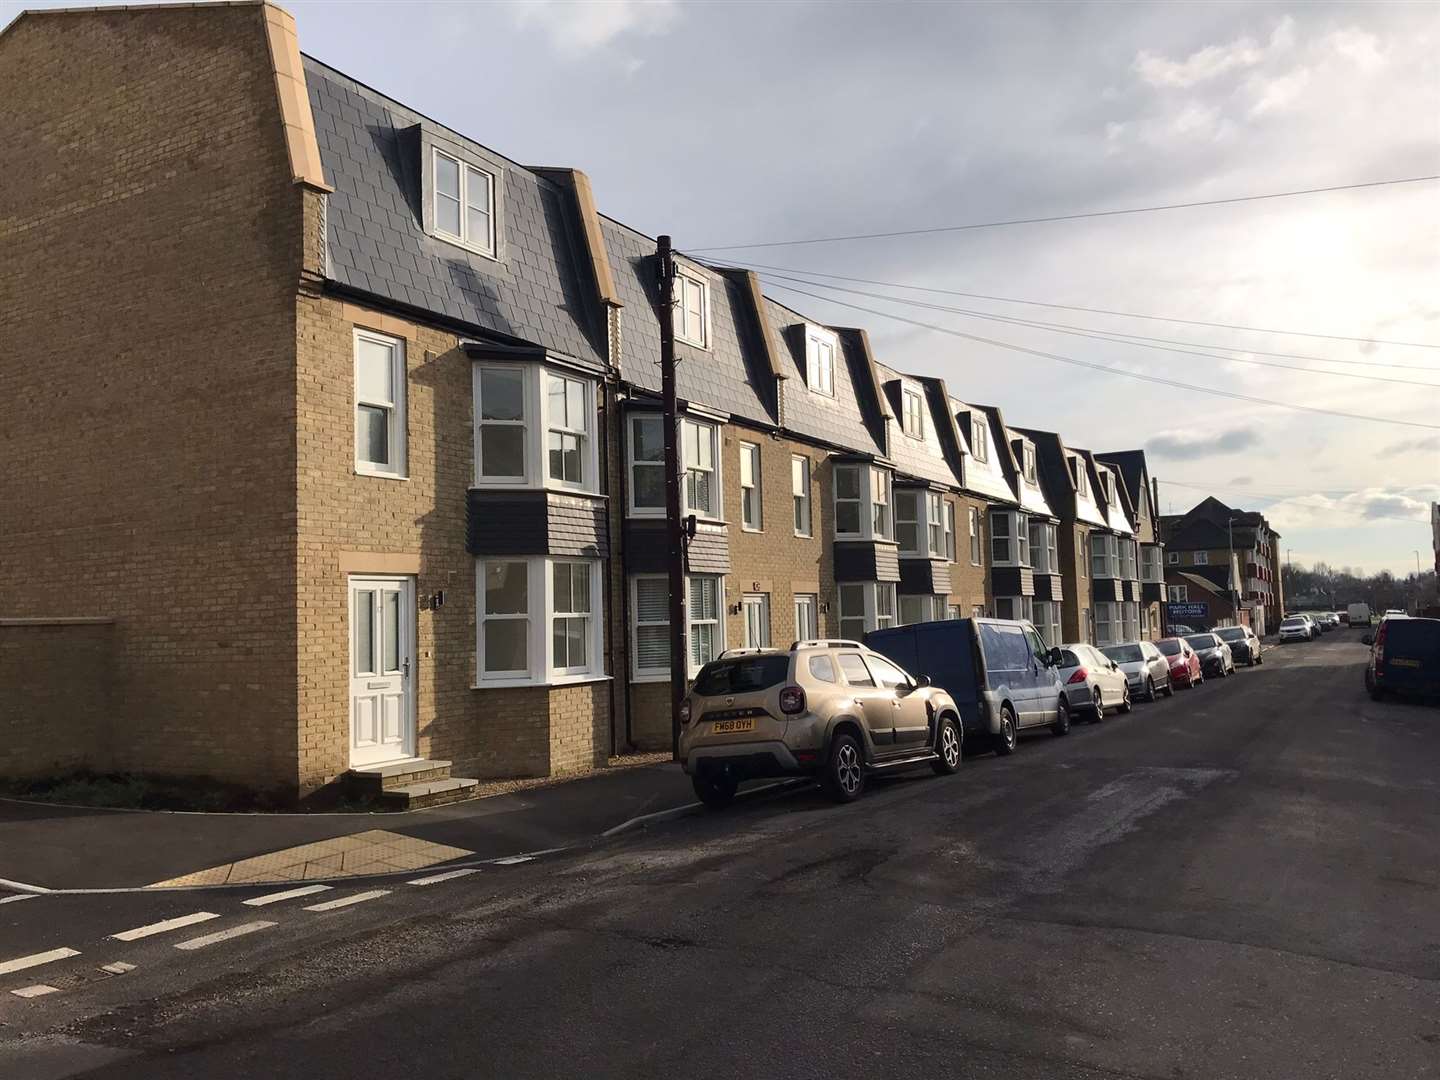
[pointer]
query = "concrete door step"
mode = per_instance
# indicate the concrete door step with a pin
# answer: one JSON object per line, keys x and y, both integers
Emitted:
{"x": 373, "y": 780}
{"x": 429, "y": 793}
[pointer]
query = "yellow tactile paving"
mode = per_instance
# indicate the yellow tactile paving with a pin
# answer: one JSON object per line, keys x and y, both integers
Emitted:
{"x": 375, "y": 851}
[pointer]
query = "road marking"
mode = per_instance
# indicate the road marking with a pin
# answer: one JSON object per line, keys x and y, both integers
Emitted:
{"x": 288, "y": 894}
{"x": 511, "y": 860}
{"x": 117, "y": 968}
{"x": 38, "y": 990}
{"x": 36, "y": 959}
{"x": 435, "y": 879}
{"x": 18, "y": 897}
{"x": 346, "y": 901}
{"x": 162, "y": 927}
{"x": 224, "y": 935}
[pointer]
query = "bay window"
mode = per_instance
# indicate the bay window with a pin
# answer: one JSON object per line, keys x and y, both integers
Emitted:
{"x": 1044, "y": 547}
{"x": 862, "y": 502}
{"x": 1009, "y": 538}
{"x": 1104, "y": 556}
{"x": 1108, "y": 627}
{"x": 647, "y": 463}
{"x": 1130, "y": 615}
{"x": 1128, "y": 568}
{"x": 923, "y": 607}
{"x": 700, "y": 486}
{"x": 867, "y": 605}
{"x": 907, "y": 521}
{"x": 650, "y": 624}
{"x": 1150, "y": 569}
{"x": 537, "y": 620}
{"x": 1015, "y": 607}
{"x": 935, "y": 523}
{"x": 534, "y": 427}
{"x": 701, "y": 494}
{"x": 975, "y": 537}
{"x": 1046, "y": 618}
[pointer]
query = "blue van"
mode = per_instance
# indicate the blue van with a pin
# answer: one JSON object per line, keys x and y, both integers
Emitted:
{"x": 999, "y": 671}
{"x": 1404, "y": 658}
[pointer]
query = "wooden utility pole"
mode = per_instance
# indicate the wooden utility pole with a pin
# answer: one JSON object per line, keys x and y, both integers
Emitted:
{"x": 674, "y": 523}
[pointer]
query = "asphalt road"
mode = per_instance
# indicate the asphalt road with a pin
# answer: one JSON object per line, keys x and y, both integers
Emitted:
{"x": 1243, "y": 881}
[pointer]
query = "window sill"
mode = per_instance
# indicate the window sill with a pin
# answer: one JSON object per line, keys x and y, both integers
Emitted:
{"x": 455, "y": 241}
{"x": 650, "y": 679}
{"x": 379, "y": 475}
{"x": 804, "y": 536}
{"x": 752, "y": 529}
{"x": 580, "y": 493}
{"x": 558, "y": 680}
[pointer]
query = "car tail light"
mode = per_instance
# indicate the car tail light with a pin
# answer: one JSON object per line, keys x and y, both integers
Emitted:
{"x": 1380, "y": 647}
{"x": 1080, "y": 676}
{"x": 685, "y": 711}
{"x": 792, "y": 700}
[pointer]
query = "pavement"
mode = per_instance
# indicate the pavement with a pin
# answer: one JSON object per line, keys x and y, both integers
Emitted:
{"x": 1239, "y": 882}
{"x": 54, "y": 847}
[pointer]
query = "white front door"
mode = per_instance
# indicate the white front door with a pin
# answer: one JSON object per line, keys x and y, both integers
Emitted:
{"x": 807, "y": 624}
{"x": 382, "y": 660}
{"x": 756, "y": 607}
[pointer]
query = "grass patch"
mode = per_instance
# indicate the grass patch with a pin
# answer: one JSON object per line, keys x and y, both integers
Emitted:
{"x": 131, "y": 791}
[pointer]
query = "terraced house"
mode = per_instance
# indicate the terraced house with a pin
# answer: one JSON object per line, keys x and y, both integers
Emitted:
{"x": 347, "y": 450}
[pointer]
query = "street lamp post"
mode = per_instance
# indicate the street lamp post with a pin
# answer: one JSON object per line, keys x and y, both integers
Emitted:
{"x": 1234, "y": 570}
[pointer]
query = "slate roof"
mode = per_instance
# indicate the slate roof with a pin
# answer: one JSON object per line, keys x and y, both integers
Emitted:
{"x": 1135, "y": 472}
{"x": 731, "y": 376}
{"x": 922, "y": 458}
{"x": 1116, "y": 513}
{"x": 1058, "y": 482}
{"x": 370, "y": 150}
{"x": 987, "y": 478}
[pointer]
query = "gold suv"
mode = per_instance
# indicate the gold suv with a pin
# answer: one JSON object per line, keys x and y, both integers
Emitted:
{"x": 830, "y": 709}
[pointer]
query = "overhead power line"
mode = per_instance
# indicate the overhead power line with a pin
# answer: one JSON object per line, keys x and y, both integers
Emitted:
{"x": 1359, "y": 512}
{"x": 1098, "y": 335}
{"x": 1142, "y": 377}
{"x": 1127, "y": 315}
{"x": 1067, "y": 217}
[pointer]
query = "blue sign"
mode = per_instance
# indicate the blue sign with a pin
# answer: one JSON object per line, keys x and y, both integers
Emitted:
{"x": 1185, "y": 613}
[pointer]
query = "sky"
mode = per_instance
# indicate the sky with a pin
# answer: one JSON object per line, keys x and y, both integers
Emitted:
{"x": 740, "y": 123}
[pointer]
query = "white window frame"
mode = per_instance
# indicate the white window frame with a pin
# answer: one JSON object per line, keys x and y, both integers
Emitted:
{"x": 912, "y": 412}
{"x": 554, "y": 612}
{"x": 1172, "y": 558}
{"x": 1044, "y": 547}
{"x": 926, "y": 607}
{"x": 979, "y": 439}
{"x": 1106, "y": 485}
{"x": 800, "y": 499}
{"x": 536, "y": 424}
{"x": 752, "y": 515}
{"x": 716, "y": 511}
{"x": 1129, "y": 560}
{"x": 935, "y": 524}
{"x": 1104, "y": 556}
{"x": 1130, "y": 619}
{"x": 485, "y": 246}
{"x": 541, "y": 669}
{"x": 1200, "y": 558}
{"x": 1082, "y": 483}
{"x": 396, "y": 425}
{"x": 1019, "y": 607}
{"x": 875, "y": 499}
{"x": 811, "y": 630}
{"x": 661, "y": 673}
{"x": 1108, "y": 623}
{"x": 1016, "y": 537}
{"x": 977, "y": 538}
{"x": 631, "y": 418}
{"x": 1027, "y": 462}
{"x": 1046, "y": 617}
{"x": 820, "y": 344}
{"x": 687, "y": 280}
{"x": 761, "y": 603}
{"x": 949, "y": 526}
{"x": 1151, "y": 569}
{"x": 909, "y": 516}
{"x": 1177, "y": 594}
{"x": 878, "y": 605}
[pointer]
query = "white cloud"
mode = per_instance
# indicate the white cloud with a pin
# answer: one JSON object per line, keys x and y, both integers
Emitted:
{"x": 1360, "y": 48}
{"x": 1279, "y": 93}
{"x": 583, "y": 26}
{"x": 1376, "y": 507}
{"x": 1200, "y": 66}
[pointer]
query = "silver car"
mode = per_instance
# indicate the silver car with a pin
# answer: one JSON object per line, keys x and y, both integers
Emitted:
{"x": 1145, "y": 667}
{"x": 1093, "y": 682}
{"x": 1215, "y": 655}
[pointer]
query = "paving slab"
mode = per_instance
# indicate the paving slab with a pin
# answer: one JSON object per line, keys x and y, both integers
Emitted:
{"x": 57, "y": 847}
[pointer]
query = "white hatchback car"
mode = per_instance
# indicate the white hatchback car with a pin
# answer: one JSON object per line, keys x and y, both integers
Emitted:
{"x": 1093, "y": 682}
{"x": 1145, "y": 666}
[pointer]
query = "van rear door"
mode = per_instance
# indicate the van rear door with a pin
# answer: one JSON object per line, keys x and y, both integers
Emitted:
{"x": 1412, "y": 656}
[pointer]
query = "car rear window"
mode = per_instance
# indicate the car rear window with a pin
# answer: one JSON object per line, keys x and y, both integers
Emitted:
{"x": 1201, "y": 641}
{"x": 1170, "y": 647}
{"x": 743, "y": 674}
{"x": 1124, "y": 654}
{"x": 1293, "y": 622}
{"x": 1414, "y": 636}
{"x": 1068, "y": 658}
{"x": 1233, "y": 633}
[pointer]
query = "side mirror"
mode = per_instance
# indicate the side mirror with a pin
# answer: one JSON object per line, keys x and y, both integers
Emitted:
{"x": 922, "y": 681}
{"x": 1367, "y": 639}
{"x": 1053, "y": 658}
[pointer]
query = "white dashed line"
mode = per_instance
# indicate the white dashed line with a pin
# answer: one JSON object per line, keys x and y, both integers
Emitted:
{"x": 511, "y": 860}
{"x": 288, "y": 894}
{"x": 38, "y": 990}
{"x": 117, "y": 968}
{"x": 450, "y": 875}
{"x": 346, "y": 901}
{"x": 163, "y": 927}
{"x": 17, "y": 898}
{"x": 36, "y": 959}
{"x": 224, "y": 935}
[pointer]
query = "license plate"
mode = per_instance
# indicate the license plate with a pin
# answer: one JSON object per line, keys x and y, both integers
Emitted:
{"x": 727, "y": 727}
{"x": 1402, "y": 661}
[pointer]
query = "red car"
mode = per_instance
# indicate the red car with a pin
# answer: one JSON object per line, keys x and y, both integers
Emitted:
{"x": 1184, "y": 661}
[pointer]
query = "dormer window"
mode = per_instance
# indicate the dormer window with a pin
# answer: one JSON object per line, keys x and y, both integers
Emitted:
{"x": 979, "y": 440}
{"x": 912, "y": 415}
{"x": 820, "y": 360}
{"x": 1105, "y": 485}
{"x": 464, "y": 203}
{"x": 692, "y": 309}
{"x": 1077, "y": 470}
{"x": 1027, "y": 458}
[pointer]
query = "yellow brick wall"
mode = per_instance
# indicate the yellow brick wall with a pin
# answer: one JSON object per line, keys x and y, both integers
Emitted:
{"x": 1075, "y": 578}
{"x": 970, "y": 584}
{"x": 149, "y": 246}
{"x": 56, "y": 683}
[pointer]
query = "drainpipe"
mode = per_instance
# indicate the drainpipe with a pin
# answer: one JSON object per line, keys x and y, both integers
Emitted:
{"x": 622, "y": 502}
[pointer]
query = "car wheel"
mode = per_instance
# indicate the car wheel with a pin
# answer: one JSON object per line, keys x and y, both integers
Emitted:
{"x": 1260, "y": 659}
{"x": 845, "y": 769}
{"x": 948, "y": 747}
{"x": 1009, "y": 737}
{"x": 1061, "y": 726}
{"x": 1125, "y": 705}
{"x": 1150, "y": 692}
{"x": 1169, "y": 687}
{"x": 715, "y": 792}
{"x": 1098, "y": 706}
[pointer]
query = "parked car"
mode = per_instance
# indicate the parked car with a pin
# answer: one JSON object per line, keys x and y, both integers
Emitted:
{"x": 1359, "y": 614}
{"x": 998, "y": 672}
{"x": 1214, "y": 653}
{"x": 1093, "y": 682}
{"x": 1344, "y": 617}
{"x": 1332, "y": 619}
{"x": 1404, "y": 658}
{"x": 1321, "y": 621}
{"x": 1185, "y": 669}
{"x": 1244, "y": 645}
{"x": 1179, "y": 629}
{"x": 1145, "y": 667}
{"x": 1296, "y": 628}
{"x": 830, "y": 709}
